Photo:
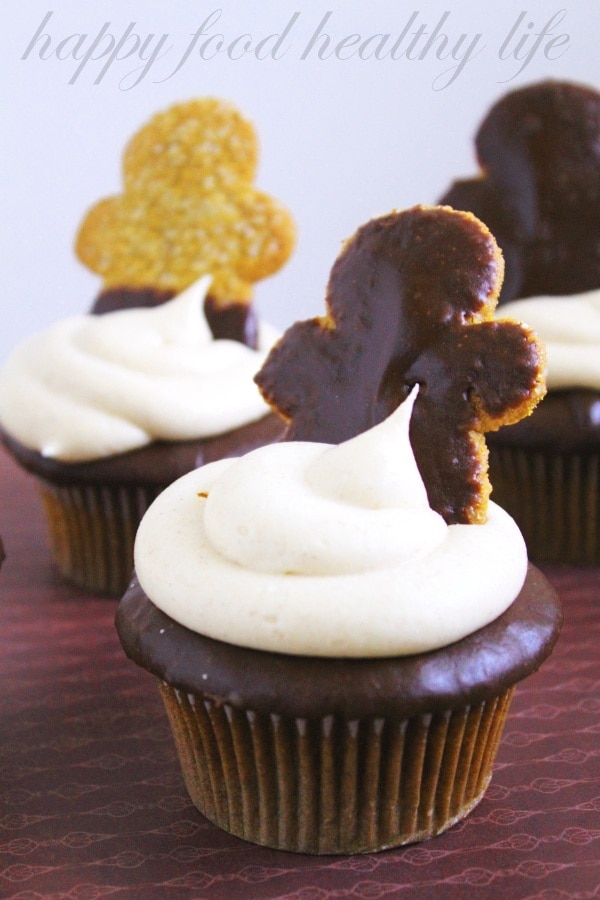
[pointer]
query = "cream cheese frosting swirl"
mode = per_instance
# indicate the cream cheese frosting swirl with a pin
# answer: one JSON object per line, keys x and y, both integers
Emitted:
{"x": 324, "y": 550}
{"x": 94, "y": 386}
{"x": 570, "y": 328}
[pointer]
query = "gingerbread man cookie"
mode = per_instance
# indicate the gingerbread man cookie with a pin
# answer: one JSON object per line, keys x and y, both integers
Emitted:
{"x": 188, "y": 208}
{"x": 539, "y": 190}
{"x": 411, "y": 300}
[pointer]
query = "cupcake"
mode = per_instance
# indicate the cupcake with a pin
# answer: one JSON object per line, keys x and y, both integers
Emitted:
{"x": 109, "y": 408}
{"x": 337, "y": 621}
{"x": 539, "y": 149}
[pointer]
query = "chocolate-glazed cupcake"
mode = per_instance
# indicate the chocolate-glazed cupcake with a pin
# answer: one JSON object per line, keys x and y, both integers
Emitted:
{"x": 107, "y": 409}
{"x": 337, "y": 629}
{"x": 539, "y": 193}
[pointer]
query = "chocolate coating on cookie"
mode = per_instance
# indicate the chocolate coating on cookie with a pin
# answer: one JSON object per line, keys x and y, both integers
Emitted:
{"x": 478, "y": 667}
{"x": 539, "y": 191}
{"x": 410, "y": 300}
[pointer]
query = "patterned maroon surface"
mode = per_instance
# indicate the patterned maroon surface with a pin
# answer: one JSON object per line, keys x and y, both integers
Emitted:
{"x": 92, "y": 804}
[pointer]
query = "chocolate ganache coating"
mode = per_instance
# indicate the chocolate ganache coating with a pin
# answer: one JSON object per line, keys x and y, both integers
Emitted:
{"x": 159, "y": 463}
{"x": 478, "y": 667}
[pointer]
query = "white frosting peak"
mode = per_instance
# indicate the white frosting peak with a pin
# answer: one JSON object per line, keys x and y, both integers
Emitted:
{"x": 570, "y": 328}
{"x": 391, "y": 479}
{"x": 184, "y": 321}
{"x": 306, "y": 508}
{"x": 332, "y": 551}
{"x": 93, "y": 386}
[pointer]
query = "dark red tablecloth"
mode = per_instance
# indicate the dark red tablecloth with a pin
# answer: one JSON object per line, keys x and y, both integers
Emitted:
{"x": 92, "y": 803}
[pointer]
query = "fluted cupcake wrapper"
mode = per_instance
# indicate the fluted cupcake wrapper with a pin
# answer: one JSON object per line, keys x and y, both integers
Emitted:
{"x": 333, "y": 785}
{"x": 92, "y": 531}
{"x": 554, "y": 497}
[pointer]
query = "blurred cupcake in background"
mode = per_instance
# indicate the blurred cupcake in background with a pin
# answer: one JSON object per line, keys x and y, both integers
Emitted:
{"x": 107, "y": 409}
{"x": 539, "y": 193}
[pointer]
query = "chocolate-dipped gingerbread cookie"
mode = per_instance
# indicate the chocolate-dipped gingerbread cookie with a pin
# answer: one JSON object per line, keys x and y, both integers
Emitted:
{"x": 410, "y": 301}
{"x": 539, "y": 187}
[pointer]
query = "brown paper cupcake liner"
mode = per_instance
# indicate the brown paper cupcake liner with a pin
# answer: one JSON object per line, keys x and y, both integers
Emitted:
{"x": 92, "y": 531}
{"x": 333, "y": 785}
{"x": 554, "y": 497}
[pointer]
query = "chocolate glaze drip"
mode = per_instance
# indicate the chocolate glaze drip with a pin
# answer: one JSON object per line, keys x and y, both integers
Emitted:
{"x": 539, "y": 149}
{"x": 476, "y": 668}
{"x": 230, "y": 321}
{"x": 400, "y": 298}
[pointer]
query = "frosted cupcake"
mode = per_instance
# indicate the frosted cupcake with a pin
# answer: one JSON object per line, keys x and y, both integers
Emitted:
{"x": 539, "y": 192}
{"x": 337, "y": 629}
{"x": 106, "y": 410}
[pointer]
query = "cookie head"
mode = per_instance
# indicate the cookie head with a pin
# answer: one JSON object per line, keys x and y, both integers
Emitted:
{"x": 189, "y": 208}
{"x": 539, "y": 187}
{"x": 411, "y": 300}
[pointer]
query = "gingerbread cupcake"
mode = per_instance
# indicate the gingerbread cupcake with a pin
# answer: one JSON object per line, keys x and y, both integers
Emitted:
{"x": 539, "y": 193}
{"x": 108, "y": 409}
{"x": 337, "y": 621}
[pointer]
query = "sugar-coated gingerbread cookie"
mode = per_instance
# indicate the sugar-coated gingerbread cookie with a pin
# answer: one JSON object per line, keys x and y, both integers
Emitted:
{"x": 188, "y": 208}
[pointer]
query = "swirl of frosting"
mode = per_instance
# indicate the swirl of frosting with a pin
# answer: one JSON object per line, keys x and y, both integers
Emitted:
{"x": 570, "y": 328}
{"x": 94, "y": 386}
{"x": 325, "y": 550}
